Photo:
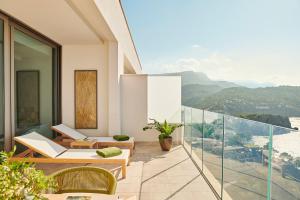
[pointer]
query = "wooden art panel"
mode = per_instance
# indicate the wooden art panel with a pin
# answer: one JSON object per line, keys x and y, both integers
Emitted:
{"x": 86, "y": 99}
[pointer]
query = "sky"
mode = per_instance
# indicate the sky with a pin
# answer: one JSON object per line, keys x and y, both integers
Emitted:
{"x": 233, "y": 40}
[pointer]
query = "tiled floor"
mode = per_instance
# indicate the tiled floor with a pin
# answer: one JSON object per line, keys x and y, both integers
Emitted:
{"x": 157, "y": 175}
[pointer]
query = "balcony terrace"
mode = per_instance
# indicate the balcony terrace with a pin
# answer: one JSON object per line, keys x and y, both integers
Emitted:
{"x": 156, "y": 175}
{"x": 219, "y": 157}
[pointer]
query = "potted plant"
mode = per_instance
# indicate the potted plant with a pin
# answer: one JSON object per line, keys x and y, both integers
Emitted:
{"x": 20, "y": 180}
{"x": 165, "y": 129}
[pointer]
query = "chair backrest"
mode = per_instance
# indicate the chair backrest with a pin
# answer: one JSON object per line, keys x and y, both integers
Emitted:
{"x": 70, "y": 132}
{"x": 86, "y": 180}
{"x": 40, "y": 144}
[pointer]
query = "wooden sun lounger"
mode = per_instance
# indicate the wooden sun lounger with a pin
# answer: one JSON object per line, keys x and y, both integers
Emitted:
{"x": 68, "y": 135}
{"x": 54, "y": 153}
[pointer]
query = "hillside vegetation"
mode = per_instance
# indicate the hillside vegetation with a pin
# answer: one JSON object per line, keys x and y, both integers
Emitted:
{"x": 283, "y": 100}
{"x": 269, "y": 119}
{"x": 199, "y": 91}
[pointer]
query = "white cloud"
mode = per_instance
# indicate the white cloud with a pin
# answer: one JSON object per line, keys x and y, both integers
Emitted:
{"x": 215, "y": 65}
{"x": 250, "y": 67}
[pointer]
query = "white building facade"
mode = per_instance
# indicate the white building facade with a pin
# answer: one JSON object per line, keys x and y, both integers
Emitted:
{"x": 42, "y": 43}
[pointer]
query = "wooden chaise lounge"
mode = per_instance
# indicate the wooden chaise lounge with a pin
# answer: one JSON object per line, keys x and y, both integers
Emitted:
{"x": 51, "y": 152}
{"x": 69, "y": 134}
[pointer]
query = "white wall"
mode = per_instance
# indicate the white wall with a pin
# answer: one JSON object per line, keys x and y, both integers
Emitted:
{"x": 83, "y": 57}
{"x": 164, "y": 98}
{"x": 112, "y": 12}
{"x": 85, "y": 45}
{"x": 144, "y": 97}
{"x": 115, "y": 69}
{"x": 134, "y": 106}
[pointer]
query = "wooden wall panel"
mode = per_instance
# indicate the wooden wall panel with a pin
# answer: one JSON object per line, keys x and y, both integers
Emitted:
{"x": 86, "y": 99}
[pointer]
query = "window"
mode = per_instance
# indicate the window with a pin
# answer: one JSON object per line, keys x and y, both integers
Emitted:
{"x": 35, "y": 83}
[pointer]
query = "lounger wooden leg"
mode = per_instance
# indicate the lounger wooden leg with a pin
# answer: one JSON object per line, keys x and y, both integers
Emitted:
{"x": 124, "y": 170}
{"x": 131, "y": 151}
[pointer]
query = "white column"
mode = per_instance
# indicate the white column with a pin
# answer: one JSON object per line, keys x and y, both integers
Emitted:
{"x": 115, "y": 69}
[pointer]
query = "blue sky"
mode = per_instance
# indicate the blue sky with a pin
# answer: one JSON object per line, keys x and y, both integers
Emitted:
{"x": 257, "y": 40}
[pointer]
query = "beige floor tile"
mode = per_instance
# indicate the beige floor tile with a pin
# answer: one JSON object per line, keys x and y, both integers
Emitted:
{"x": 155, "y": 175}
{"x": 155, "y": 188}
{"x": 154, "y": 196}
{"x": 128, "y": 187}
{"x": 128, "y": 196}
{"x": 182, "y": 196}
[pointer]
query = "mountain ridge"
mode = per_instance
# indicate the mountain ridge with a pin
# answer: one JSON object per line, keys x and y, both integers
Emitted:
{"x": 230, "y": 98}
{"x": 190, "y": 78}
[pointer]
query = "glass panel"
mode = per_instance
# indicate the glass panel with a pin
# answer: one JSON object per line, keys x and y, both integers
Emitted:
{"x": 197, "y": 126}
{"x": 285, "y": 164}
{"x": 187, "y": 127}
{"x": 212, "y": 148}
{"x": 33, "y": 83}
{"x": 245, "y": 161}
{"x": 1, "y": 85}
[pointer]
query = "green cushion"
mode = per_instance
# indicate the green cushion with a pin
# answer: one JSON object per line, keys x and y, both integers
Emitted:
{"x": 109, "y": 152}
{"x": 121, "y": 137}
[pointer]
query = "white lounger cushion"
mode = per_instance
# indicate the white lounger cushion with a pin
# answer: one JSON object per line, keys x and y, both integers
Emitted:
{"x": 41, "y": 144}
{"x": 72, "y": 133}
{"x": 109, "y": 139}
{"x": 90, "y": 154}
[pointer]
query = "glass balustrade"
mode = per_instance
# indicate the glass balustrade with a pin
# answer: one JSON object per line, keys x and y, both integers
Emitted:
{"x": 285, "y": 164}
{"x": 243, "y": 159}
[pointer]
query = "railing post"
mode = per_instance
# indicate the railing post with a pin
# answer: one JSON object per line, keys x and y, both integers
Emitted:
{"x": 203, "y": 124}
{"x": 184, "y": 128}
{"x": 191, "y": 126}
{"x": 223, "y": 136}
{"x": 269, "y": 183}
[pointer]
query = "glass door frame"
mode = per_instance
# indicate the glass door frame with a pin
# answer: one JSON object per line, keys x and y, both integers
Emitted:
{"x": 10, "y": 24}
{"x": 7, "y": 104}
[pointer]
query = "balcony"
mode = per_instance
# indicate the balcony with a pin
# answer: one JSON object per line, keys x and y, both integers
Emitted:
{"x": 156, "y": 175}
{"x": 221, "y": 157}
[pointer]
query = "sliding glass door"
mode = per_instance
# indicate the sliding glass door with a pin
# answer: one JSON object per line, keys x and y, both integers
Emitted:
{"x": 1, "y": 84}
{"x": 35, "y": 92}
{"x": 29, "y": 81}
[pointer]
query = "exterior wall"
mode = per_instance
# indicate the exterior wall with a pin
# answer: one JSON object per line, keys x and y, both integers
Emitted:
{"x": 164, "y": 98}
{"x": 76, "y": 57}
{"x": 113, "y": 14}
{"x": 124, "y": 105}
{"x": 115, "y": 69}
{"x": 144, "y": 97}
{"x": 134, "y": 107}
{"x": 53, "y": 18}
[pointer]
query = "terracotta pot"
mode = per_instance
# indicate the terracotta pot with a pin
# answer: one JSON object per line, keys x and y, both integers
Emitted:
{"x": 166, "y": 143}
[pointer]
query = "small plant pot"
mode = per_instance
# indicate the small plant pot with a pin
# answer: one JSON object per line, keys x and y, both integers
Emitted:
{"x": 166, "y": 143}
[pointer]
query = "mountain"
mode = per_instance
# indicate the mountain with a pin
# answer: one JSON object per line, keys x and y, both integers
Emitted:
{"x": 282, "y": 100}
{"x": 199, "y": 91}
{"x": 254, "y": 84}
{"x": 190, "y": 78}
{"x": 269, "y": 119}
{"x": 196, "y": 92}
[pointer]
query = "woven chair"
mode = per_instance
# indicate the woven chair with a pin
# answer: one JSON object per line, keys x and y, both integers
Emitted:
{"x": 85, "y": 180}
